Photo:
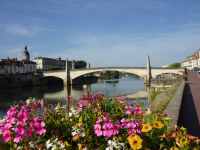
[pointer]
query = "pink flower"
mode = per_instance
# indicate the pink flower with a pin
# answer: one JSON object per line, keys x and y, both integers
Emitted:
{"x": 120, "y": 98}
{"x": 139, "y": 129}
{"x": 22, "y": 115}
{"x": 30, "y": 131}
{"x": 10, "y": 113}
{"x": 37, "y": 120}
{"x": 98, "y": 121}
{"x": 18, "y": 138}
{"x": 40, "y": 129}
{"x": 37, "y": 105}
{"x": 6, "y": 135}
{"x": 107, "y": 127}
{"x": 131, "y": 127}
{"x": 129, "y": 109}
{"x": 124, "y": 125}
{"x": 98, "y": 130}
{"x": 20, "y": 129}
{"x": 137, "y": 110}
{"x": 7, "y": 127}
{"x": 115, "y": 128}
{"x": 70, "y": 96}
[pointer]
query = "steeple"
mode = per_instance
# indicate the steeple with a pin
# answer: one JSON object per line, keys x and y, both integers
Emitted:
{"x": 25, "y": 54}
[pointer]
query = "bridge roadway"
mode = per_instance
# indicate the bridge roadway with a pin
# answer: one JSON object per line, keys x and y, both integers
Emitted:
{"x": 71, "y": 74}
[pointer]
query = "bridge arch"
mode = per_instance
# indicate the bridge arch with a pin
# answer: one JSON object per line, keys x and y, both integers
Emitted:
{"x": 158, "y": 71}
{"x": 79, "y": 72}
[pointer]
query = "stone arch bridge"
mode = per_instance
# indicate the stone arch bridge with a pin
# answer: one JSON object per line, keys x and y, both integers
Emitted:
{"x": 145, "y": 72}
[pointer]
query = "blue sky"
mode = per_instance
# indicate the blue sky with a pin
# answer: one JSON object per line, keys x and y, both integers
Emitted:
{"x": 104, "y": 33}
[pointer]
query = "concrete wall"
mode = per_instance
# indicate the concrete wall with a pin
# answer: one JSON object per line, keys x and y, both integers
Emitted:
{"x": 21, "y": 80}
{"x": 173, "y": 107}
{"x": 161, "y": 82}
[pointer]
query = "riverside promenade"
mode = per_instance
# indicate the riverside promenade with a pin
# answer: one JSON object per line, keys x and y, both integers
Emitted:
{"x": 189, "y": 115}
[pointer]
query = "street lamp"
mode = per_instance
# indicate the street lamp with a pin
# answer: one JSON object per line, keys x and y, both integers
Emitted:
{"x": 197, "y": 64}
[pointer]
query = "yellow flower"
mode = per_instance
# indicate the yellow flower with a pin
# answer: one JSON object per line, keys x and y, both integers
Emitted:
{"x": 183, "y": 141}
{"x": 135, "y": 141}
{"x": 173, "y": 148}
{"x": 66, "y": 143}
{"x": 158, "y": 124}
{"x": 146, "y": 127}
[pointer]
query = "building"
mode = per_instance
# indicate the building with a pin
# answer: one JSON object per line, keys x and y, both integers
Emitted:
{"x": 8, "y": 66}
{"x": 192, "y": 61}
{"x": 43, "y": 63}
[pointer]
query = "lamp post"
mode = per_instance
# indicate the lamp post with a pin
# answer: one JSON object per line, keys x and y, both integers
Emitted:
{"x": 197, "y": 64}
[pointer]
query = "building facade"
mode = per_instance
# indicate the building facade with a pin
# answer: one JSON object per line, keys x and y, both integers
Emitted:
{"x": 8, "y": 66}
{"x": 43, "y": 63}
{"x": 192, "y": 61}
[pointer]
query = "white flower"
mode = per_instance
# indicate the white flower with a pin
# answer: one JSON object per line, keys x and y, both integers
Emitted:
{"x": 62, "y": 119}
{"x": 122, "y": 144}
{"x": 54, "y": 147}
{"x": 56, "y": 140}
{"x": 148, "y": 111}
{"x": 48, "y": 142}
{"x": 84, "y": 148}
{"x": 19, "y": 147}
{"x": 70, "y": 114}
{"x": 62, "y": 146}
{"x": 109, "y": 148}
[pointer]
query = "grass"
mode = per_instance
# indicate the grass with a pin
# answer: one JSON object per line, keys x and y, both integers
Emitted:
{"x": 158, "y": 100}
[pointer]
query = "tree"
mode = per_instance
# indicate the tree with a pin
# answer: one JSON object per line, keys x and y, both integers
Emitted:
{"x": 80, "y": 63}
{"x": 175, "y": 65}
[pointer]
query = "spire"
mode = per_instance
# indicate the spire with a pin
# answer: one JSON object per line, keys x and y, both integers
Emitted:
{"x": 25, "y": 47}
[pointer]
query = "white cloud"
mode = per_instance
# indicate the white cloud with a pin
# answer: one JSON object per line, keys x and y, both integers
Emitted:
{"x": 163, "y": 48}
{"x": 18, "y": 29}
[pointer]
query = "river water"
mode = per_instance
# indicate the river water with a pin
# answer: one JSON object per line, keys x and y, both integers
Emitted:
{"x": 55, "y": 93}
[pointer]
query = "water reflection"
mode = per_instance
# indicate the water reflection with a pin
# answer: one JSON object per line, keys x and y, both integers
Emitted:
{"x": 133, "y": 87}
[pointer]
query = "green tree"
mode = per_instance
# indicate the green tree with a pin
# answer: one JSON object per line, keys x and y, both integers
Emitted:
{"x": 81, "y": 63}
{"x": 175, "y": 65}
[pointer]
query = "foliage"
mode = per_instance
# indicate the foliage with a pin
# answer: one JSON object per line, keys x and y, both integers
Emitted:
{"x": 55, "y": 68}
{"x": 80, "y": 63}
{"x": 184, "y": 76}
{"x": 94, "y": 123}
{"x": 110, "y": 75}
{"x": 159, "y": 100}
{"x": 8, "y": 77}
{"x": 175, "y": 65}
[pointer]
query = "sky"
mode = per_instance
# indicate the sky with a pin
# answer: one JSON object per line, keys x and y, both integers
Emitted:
{"x": 104, "y": 33}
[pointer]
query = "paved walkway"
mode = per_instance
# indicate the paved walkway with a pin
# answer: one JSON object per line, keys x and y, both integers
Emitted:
{"x": 189, "y": 116}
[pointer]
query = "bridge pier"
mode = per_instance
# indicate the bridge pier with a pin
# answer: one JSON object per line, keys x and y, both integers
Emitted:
{"x": 148, "y": 76}
{"x": 67, "y": 80}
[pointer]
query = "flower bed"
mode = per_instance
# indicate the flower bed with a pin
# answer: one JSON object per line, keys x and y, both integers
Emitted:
{"x": 95, "y": 123}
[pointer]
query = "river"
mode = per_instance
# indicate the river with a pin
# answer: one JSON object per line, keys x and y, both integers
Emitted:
{"x": 131, "y": 86}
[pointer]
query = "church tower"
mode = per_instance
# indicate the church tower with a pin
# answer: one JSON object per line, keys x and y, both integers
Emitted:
{"x": 25, "y": 54}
